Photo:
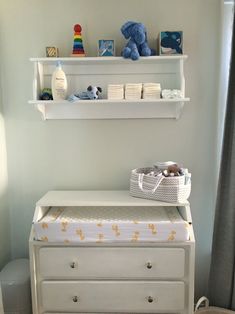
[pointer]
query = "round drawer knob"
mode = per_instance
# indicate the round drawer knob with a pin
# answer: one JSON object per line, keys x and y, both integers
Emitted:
{"x": 72, "y": 264}
{"x": 75, "y": 299}
{"x": 150, "y": 299}
{"x": 149, "y": 265}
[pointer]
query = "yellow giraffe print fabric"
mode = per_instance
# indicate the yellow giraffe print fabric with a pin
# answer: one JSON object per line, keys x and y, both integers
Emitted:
{"x": 111, "y": 224}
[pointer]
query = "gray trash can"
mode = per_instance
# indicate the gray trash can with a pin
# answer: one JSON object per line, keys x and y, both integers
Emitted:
{"x": 15, "y": 283}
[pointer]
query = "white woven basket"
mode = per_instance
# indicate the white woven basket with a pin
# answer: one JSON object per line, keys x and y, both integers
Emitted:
{"x": 161, "y": 188}
{"x": 206, "y": 309}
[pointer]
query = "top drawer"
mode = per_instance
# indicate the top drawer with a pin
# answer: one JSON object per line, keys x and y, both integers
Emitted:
{"x": 110, "y": 262}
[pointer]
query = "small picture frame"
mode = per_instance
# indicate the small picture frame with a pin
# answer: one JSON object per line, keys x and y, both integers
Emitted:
{"x": 171, "y": 43}
{"x": 52, "y": 52}
{"x": 106, "y": 48}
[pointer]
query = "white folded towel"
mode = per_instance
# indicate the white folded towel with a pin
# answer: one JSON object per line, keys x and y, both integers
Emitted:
{"x": 172, "y": 93}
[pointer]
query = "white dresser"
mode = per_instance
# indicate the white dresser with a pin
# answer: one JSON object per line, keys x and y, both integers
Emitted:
{"x": 144, "y": 277}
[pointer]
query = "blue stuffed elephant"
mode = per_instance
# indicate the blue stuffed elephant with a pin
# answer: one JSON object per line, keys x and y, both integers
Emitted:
{"x": 137, "y": 45}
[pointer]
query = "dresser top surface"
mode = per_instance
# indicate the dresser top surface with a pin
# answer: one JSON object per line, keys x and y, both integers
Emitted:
{"x": 98, "y": 198}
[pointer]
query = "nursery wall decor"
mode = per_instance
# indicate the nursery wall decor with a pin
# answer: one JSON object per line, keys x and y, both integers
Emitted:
{"x": 52, "y": 52}
{"x": 171, "y": 42}
{"x": 106, "y": 48}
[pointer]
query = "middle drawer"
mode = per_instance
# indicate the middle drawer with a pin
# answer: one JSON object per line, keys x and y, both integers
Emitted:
{"x": 110, "y": 262}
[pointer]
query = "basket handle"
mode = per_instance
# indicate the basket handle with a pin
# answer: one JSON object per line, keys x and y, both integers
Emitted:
{"x": 159, "y": 179}
{"x": 188, "y": 180}
{"x": 200, "y": 301}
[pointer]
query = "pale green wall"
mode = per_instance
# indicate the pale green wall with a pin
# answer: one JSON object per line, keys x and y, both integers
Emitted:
{"x": 100, "y": 154}
{"x": 5, "y": 243}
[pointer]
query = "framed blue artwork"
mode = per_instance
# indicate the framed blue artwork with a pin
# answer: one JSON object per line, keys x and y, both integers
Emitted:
{"x": 171, "y": 43}
{"x": 106, "y": 47}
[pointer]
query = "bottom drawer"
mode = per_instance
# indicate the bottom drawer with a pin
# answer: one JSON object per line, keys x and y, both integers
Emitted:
{"x": 111, "y": 296}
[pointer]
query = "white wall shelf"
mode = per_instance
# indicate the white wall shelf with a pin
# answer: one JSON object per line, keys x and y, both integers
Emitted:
{"x": 101, "y": 71}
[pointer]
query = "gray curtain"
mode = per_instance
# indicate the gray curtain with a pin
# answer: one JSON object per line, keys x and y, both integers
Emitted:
{"x": 222, "y": 272}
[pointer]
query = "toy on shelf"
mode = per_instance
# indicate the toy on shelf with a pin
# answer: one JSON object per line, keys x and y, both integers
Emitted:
{"x": 46, "y": 94}
{"x": 137, "y": 45}
{"x": 78, "y": 50}
{"x": 91, "y": 93}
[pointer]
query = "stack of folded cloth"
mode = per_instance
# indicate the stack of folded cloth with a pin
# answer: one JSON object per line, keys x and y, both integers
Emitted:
{"x": 133, "y": 91}
{"x": 115, "y": 91}
{"x": 151, "y": 90}
{"x": 172, "y": 93}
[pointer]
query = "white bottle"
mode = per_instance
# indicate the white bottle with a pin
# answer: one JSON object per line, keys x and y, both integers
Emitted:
{"x": 59, "y": 84}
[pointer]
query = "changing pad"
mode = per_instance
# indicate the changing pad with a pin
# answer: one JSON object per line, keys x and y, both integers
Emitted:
{"x": 111, "y": 224}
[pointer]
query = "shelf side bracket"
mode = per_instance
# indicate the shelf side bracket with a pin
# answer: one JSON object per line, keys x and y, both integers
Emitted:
{"x": 41, "y": 108}
{"x": 182, "y": 78}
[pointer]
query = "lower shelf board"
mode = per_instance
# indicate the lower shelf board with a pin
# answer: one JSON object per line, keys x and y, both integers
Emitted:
{"x": 110, "y": 109}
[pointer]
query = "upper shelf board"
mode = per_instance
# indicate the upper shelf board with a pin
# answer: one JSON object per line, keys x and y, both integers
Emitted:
{"x": 119, "y": 60}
